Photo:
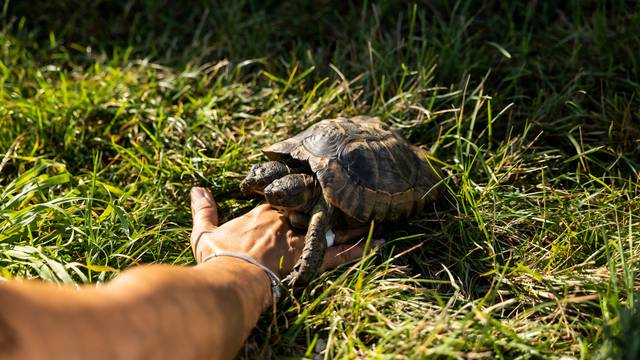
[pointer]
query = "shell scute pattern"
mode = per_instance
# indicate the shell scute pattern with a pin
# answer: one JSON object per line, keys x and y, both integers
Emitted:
{"x": 365, "y": 169}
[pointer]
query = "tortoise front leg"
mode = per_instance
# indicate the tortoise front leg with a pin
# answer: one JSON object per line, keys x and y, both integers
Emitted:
{"x": 315, "y": 245}
{"x": 261, "y": 175}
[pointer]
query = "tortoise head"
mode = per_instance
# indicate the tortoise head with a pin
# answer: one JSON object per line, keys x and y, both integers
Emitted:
{"x": 293, "y": 192}
{"x": 262, "y": 175}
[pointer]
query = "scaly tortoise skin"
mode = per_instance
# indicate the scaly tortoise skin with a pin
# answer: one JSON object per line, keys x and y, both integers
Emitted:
{"x": 357, "y": 169}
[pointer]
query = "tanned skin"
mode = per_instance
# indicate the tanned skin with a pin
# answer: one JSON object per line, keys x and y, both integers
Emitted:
{"x": 205, "y": 311}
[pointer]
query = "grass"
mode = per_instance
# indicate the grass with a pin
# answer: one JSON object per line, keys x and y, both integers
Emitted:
{"x": 111, "y": 110}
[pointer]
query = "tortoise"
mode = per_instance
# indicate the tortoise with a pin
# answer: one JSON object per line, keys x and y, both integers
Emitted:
{"x": 346, "y": 171}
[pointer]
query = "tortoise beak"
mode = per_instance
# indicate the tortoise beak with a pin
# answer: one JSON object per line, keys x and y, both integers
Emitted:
{"x": 275, "y": 196}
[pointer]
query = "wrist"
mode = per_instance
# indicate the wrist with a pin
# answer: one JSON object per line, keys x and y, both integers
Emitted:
{"x": 242, "y": 274}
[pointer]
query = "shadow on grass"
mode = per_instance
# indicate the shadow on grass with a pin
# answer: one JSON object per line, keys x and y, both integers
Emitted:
{"x": 623, "y": 338}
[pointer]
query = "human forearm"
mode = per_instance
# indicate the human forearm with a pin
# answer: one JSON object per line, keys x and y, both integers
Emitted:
{"x": 148, "y": 312}
{"x": 205, "y": 311}
{"x": 161, "y": 311}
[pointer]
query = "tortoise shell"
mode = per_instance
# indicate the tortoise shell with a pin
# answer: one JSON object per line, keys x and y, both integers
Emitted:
{"x": 365, "y": 169}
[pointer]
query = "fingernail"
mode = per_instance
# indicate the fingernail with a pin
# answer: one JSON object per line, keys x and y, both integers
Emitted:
{"x": 207, "y": 194}
{"x": 201, "y": 192}
{"x": 331, "y": 238}
{"x": 197, "y": 193}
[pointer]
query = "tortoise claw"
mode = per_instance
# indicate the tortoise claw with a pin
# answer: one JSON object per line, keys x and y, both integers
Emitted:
{"x": 315, "y": 245}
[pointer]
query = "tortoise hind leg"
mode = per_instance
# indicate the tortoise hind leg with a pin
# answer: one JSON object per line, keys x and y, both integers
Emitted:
{"x": 315, "y": 244}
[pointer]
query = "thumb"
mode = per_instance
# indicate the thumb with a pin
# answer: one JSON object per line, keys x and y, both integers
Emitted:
{"x": 203, "y": 210}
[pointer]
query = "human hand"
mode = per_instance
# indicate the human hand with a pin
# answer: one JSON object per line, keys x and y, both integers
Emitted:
{"x": 264, "y": 234}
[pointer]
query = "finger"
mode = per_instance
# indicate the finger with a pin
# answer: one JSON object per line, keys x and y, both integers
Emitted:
{"x": 340, "y": 254}
{"x": 203, "y": 210}
{"x": 349, "y": 235}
